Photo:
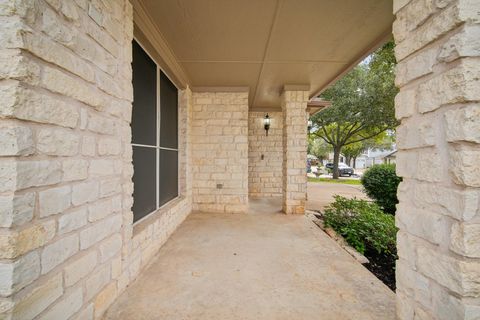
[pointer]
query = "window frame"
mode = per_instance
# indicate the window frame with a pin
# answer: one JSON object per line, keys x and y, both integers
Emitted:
{"x": 157, "y": 146}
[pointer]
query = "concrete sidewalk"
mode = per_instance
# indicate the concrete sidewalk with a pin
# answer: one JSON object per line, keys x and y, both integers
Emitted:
{"x": 246, "y": 266}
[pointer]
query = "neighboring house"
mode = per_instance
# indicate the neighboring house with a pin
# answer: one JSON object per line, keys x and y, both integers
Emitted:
{"x": 365, "y": 160}
{"x": 391, "y": 157}
{"x": 372, "y": 157}
{"x": 119, "y": 118}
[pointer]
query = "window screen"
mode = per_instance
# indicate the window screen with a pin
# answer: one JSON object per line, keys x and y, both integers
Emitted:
{"x": 168, "y": 110}
{"x": 154, "y": 135}
{"x": 144, "y": 116}
{"x": 168, "y": 169}
{"x": 144, "y": 181}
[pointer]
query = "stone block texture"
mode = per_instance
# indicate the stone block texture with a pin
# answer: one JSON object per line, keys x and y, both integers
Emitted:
{"x": 295, "y": 117}
{"x": 219, "y": 145}
{"x": 438, "y": 74}
{"x": 67, "y": 243}
{"x": 265, "y": 155}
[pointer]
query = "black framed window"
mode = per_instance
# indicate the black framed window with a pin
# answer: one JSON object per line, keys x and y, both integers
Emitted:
{"x": 154, "y": 135}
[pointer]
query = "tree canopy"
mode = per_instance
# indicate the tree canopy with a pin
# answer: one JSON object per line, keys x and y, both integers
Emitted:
{"x": 362, "y": 103}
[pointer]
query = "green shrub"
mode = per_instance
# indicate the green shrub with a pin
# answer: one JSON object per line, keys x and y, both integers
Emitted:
{"x": 363, "y": 225}
{"x": 380, "y": 183}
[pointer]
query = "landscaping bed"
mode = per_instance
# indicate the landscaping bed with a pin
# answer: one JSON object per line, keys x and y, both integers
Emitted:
{"x": 382, "y": 266}
{"x": 365, "y": 227}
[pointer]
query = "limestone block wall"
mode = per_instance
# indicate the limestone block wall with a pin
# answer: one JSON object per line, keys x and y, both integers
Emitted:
{"x": 67, "y": 244}
{"x": 438, "y": 74}
{"x": 265, "y": 174}
{"x": 220, "y": 151}
{"x": 295, "y": 117}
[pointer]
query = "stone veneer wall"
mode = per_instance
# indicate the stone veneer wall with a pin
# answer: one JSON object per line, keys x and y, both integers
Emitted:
{"x": 67, "y": 244}
{"x": 438, "y": 271}
{"x": 265, "y": 175}
{"x": 220, "y": 151}
{"x": 295, "y": 117}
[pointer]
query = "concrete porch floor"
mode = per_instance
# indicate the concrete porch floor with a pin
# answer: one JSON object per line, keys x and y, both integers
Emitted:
{"x": 261, "y": 265}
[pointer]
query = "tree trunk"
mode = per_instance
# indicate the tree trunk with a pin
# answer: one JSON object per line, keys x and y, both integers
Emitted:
{"x": 354, "y": 162}
{"x": 348, "y": 160}
{"x": 336, "y": 156}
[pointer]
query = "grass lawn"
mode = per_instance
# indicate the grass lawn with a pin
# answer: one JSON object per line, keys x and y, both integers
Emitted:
{"x": 343, "y": 181}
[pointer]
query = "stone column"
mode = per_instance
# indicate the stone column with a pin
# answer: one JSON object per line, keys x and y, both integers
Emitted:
{"x": 437, "y": 47}
{"x": 294, "y": 106}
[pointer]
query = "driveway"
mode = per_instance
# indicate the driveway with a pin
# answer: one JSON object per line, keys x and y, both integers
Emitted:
{"x": 261, "y": 266}
{"x": 320, "y": 194}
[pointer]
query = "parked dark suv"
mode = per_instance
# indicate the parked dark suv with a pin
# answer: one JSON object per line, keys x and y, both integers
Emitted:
{"x": 343, "y": 169}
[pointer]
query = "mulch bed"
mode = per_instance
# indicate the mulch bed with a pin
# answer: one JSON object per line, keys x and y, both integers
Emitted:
{"x": 382, "y": 267}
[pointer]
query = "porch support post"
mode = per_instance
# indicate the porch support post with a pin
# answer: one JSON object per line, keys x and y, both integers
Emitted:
{"x": 438, "y": 73}
{"x": 294, "y": 104}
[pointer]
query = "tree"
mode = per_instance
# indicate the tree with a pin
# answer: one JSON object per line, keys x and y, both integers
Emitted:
{"x": 383, "y": 141}
{"x": 318, "y": 147}
{"x": 352, "y": 151}
{"x": 362, "y": 104}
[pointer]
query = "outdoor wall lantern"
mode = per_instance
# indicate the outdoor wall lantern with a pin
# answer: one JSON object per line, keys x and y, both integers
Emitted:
{"x": 266, "y": 123}
{"x": 309, "y": 125}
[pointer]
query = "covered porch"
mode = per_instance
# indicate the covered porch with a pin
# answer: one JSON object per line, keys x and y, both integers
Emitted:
{"x": 123, "y": 120}
{"x": 259, "y": 265}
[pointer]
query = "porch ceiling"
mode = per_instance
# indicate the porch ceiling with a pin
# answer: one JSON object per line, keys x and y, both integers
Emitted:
{"x": 266, "y": 44}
